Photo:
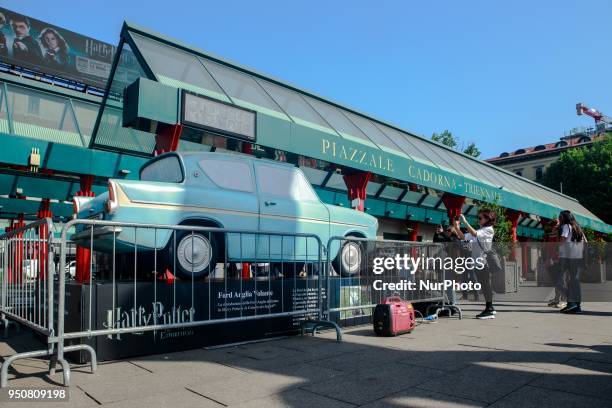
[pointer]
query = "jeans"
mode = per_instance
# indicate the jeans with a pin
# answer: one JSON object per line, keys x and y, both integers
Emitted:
{"x": 572, "y": 268}
{"x": 484, "y": 277}
{"x": 560, "y": 286}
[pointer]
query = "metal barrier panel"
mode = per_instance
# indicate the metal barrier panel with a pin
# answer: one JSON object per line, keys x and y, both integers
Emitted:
{"x": 357, "y": 280}
{"x": 241, "y": 275}
{"x": 26, "y": 273}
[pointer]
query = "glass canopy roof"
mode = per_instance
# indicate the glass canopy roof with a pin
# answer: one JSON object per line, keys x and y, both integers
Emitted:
{"x": 174, "y": 64}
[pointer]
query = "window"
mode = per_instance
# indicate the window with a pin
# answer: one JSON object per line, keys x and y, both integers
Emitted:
{"x": 167, "y": 170}
{"x": 539, "y": 173}
{"x": 284, "y": 182}
{"x": 229, "y": 174}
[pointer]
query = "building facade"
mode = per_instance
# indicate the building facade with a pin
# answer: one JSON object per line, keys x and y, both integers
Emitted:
{"x": 532, "y": 162}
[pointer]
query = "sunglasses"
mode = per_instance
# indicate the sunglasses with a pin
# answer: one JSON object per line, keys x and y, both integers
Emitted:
{"x": 480, "y": 217}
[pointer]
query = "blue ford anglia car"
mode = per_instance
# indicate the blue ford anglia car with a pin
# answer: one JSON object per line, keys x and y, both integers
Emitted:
{"x": 229, "y": 191}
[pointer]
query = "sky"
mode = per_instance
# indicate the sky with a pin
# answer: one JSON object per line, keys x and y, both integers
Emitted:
{"x": 501, "y": 74}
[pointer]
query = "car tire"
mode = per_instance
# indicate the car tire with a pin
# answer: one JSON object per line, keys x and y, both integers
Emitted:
{"x": 195, "y": 256}
{"x": 349, "y": 261}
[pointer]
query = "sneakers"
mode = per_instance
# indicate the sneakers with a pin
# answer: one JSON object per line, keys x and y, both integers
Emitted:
{"x": 557, "y": 305}
{"x": 571, "y": 308}
{"x": 486, "y": 314}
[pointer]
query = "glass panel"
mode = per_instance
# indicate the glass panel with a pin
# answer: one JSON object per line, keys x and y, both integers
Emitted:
{"x": 372, "y": 188}
{"x": 391, "y": 193}
{"x": 335, "y": 118}
{"x": 284, "y": 182}
{"x": 231, "y": 175}
{"x": 172, "y": 64}
{"x": 111, "y": 132}
{"x": 166, "y": 170}
{"x": 241, "y": 86}
{"x": 401, "y": 140}
{"x": 293, "y": 104}
{"x": 412, "y": 197}
{"x": 86, "y": 114}
{"x": 314, "y": 176}
{"x": 42, "y": 116}
{"x": 372, "y": 131}
{"x": 337, "y": 182}
{"x": 4, "y": 125}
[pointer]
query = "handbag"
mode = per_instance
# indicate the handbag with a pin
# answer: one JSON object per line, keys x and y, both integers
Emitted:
{"x": 491, "y": 257}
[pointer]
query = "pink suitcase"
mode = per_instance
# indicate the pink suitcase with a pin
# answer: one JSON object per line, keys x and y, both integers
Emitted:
{"x": 393, "y": 316}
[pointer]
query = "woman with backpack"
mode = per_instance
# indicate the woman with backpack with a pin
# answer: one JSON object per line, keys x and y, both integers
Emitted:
{"x": 481, "y": 240}
{"x": 571, "y": 252}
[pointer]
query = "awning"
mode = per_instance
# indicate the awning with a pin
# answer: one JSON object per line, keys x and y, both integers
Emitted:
{"x": 297, "y": 121}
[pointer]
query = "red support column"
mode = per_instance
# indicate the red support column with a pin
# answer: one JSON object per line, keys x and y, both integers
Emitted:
{"x": 414, "y": 230}
{"x": 18, "y": 251}
{"x": 454, "y": 205}
{"x": 83, "y": 255}
{"x": 356, "y": 184}
{"x": 43, "y": 233}
{"x": 168, "y": 138}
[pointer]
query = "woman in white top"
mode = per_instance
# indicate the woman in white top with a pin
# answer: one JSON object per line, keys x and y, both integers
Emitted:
{"x": 571, "y": 249}
{"x": 481, "y": 241}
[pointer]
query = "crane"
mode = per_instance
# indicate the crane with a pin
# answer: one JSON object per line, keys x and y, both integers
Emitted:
{"x": 600, "y": 118}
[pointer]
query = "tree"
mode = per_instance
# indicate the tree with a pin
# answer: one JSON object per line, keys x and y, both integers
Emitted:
{"x": 586, "y": 174}
{"x": 446, "y": 138}
{"x": 472, "y": 150}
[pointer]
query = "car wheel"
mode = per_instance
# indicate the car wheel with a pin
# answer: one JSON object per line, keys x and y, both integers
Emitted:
{"x": 349, "y": 259}
{"x": 196, "y": 254}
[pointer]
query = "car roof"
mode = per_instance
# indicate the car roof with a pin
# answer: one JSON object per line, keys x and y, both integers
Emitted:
{"x": 197, "y": 156}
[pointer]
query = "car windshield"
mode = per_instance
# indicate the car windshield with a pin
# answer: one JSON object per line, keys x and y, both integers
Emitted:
{"x": 167, "y": 170}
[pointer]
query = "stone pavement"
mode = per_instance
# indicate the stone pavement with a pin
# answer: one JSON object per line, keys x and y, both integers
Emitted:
{"x": 530, "y": 356}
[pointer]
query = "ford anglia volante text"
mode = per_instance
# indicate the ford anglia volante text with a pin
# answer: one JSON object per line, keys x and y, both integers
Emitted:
{"x": 228, "y": 191}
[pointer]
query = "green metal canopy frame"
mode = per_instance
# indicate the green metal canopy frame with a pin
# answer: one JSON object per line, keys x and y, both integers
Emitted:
{"x": 301, "y": 122}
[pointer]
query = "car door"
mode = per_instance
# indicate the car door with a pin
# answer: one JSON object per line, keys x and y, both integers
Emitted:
{"x": 288, "y": 204}
{"x": 231, "y": 199}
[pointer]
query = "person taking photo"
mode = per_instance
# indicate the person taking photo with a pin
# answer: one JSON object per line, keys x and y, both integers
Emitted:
{"x": 481, "y": 240}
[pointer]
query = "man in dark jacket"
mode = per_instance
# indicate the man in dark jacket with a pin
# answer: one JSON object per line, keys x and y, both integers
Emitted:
{"x": 3, "y": 46}
{"x": 25, "y": 47}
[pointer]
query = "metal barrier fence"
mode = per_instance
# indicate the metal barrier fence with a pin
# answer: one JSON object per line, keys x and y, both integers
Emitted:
{"x": 361, "y": 281}
{"x": 225, "y": 276}
{"x": 25, "y": 297}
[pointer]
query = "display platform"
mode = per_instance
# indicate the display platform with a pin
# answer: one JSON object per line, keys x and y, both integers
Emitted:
{"x": 183, "y": 302}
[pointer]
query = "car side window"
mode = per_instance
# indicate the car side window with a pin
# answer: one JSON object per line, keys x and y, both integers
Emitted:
{"x": 231, "y": 175}
{"x": 284, "y": 182}
{"x": 166, "y": 170}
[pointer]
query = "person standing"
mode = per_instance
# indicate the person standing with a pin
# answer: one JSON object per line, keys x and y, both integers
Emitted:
{"x": 450, "y": 237}
{"x": 55, "y": 49}
{"x": 571, "y": 251}
{"x": 3, "y": 46}
{"x": 481, "y": 240}
{"x": 25, "y": 47}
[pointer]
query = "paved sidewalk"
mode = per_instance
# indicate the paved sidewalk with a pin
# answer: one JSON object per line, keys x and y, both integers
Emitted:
{"x": 529, "y": 356}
